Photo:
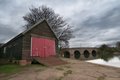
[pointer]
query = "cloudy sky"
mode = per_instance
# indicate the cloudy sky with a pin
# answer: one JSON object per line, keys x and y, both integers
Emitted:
{"x": 95, "y": 22}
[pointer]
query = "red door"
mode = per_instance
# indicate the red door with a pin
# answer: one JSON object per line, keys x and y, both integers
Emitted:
{"x": 42, "y": 47}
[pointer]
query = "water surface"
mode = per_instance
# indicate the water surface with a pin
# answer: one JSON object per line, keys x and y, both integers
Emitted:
{"x": 115, "y": 62}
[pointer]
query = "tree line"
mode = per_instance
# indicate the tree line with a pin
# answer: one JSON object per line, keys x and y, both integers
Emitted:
{"x": 106, "y": 52}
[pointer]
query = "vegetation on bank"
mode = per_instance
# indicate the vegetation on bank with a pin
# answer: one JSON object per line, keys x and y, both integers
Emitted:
{"x": 106, "y": 52}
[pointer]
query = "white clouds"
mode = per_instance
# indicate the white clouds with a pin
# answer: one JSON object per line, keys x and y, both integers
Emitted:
{"x": 95, "y": 21}
{"x": 98, "y": 24}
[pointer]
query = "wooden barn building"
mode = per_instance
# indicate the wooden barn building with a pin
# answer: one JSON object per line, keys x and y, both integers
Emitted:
{"x": 38, "y": 41}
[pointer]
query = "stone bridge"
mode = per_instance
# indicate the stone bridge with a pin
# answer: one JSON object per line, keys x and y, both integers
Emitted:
{"x": 82, "y": 53}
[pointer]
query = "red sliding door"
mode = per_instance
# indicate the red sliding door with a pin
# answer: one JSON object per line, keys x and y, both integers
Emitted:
{"x": 42, "y": 47}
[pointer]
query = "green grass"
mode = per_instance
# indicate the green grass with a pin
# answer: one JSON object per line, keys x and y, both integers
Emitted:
{"x": 9, "y": 68}
{"x": 67, "y": 72}
{"x": 101, "y": 78}
{"x": 16, "y": 68}
{"x": 59, "y": 68}
{"x": 67, "y": 66}
{"x": 60, "y": 78}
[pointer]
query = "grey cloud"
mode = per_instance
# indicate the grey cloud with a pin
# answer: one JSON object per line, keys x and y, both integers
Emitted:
{"x": 109, "y": 20}
{"x": 98, "y": 29}
{"x": 11, "y": 21}
{"x": 95, "y": 22}
{"x": 6, "y": 33}
{"x": 5, "y": 29}
{"x": 4, "y": 2}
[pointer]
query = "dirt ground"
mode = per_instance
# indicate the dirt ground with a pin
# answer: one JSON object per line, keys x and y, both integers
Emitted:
{"x": 75, "y": 70}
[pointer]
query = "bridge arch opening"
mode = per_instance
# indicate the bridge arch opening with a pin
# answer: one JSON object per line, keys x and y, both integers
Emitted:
{"x": 86, "y": 54}
{"x": 67, "y": 54}
{"x": 94, "y": 53}
{"x": 77, "y": 54}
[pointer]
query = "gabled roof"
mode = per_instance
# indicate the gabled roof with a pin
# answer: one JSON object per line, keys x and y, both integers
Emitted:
{"x": 24, "y": 32}
{"x": 38, "y": 24}
{"x": 16, "y": 37}
{"x": 1, "y": 44}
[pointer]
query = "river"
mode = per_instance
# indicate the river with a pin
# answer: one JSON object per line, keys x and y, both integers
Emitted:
{"x": 115, "y": 61}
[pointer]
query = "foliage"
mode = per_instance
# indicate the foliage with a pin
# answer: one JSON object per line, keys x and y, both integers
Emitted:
{"x": 105, "y": 52}
{"x": 117, "y": 47}
{"x": 61, "y": 28}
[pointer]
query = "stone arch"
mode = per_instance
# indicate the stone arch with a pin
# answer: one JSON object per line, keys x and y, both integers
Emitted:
{"x": 77, "y": 54}
{"x": 67, "y": 54}
{"x": 86, "y": 54}
{"x": 94, "y": 53}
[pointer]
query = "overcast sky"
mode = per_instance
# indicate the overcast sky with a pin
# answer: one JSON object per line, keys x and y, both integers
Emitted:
{"x": 95, "y": 22}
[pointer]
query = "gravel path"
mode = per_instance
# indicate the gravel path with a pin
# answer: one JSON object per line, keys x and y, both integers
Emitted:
{"x": 75, "y": 70}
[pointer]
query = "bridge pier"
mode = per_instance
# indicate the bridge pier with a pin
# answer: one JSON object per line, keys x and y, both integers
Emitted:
{"x": 80, "y": 53}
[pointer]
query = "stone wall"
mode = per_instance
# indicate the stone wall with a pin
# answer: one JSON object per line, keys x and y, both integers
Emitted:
{"x": 85, "y": 53}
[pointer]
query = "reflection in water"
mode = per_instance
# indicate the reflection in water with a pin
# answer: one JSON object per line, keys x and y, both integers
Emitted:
{"x": 115, "y": 61}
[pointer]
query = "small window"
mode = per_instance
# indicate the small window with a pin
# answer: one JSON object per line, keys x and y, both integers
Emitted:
{"x": 4, "y": 50}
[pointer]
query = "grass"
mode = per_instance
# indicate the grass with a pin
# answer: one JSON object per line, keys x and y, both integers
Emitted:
{"x": 15, "y": 68}
{"x": 60, "y": 78}
{"x": 9, "y": 68}
{"x": 67, "y": 66}
{"x": 59, "y": 68}
{"x": 101, "y": 78}
{"x": 67, "y": 72}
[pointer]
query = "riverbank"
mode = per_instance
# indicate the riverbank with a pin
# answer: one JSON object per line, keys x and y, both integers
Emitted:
{"x": 75, "y": 70}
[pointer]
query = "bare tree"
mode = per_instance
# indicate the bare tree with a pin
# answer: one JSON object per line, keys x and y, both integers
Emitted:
{"x": 58, "y": 24}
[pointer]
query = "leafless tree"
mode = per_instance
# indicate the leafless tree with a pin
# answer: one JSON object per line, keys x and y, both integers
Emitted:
{"x": 60, "y": 27}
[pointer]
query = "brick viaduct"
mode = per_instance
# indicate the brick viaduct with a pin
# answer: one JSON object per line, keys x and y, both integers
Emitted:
{"x": 85, "y": 53}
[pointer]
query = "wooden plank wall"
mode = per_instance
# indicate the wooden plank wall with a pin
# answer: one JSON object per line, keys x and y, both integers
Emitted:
{"x": 42, "y": 30}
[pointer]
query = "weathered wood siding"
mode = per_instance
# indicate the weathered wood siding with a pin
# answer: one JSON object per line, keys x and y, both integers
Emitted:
{"x": 1, "y": 53}
{"x": 41, "y": 30}
{"x": 13, "y": 49}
